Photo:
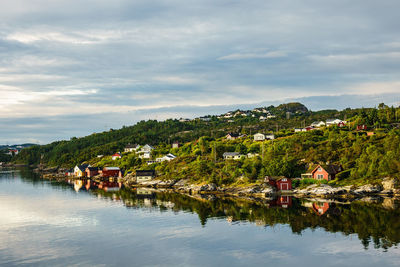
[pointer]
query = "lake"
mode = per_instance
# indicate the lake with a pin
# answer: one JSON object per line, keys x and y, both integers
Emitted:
{"x": 45, "y": 223}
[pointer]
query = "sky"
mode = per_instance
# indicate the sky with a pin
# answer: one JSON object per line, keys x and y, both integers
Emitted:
{"x": 74, "y": 67}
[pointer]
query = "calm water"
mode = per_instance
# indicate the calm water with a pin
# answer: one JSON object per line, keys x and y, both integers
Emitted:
{"x": 50, "y": 224}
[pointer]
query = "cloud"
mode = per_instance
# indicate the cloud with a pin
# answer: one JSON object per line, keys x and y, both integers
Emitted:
{"x": 238, "y": 56}
{"x": 57, "y": 59}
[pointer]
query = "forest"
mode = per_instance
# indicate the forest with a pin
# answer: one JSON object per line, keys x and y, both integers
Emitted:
{"x": 365, "y": 159}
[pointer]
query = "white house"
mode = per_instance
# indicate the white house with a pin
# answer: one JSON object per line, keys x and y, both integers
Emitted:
{"x": 259, "y": 137}
{"x": 131, "y": 148}
{"x": 270, "y": 137}
{"x": 232, "y": 155}
{"x": 146, "y": 148}
{"x": 318, "y": 124}
{"x": 330, "y": 122}
{"x": 145, "y": 151}
{"x": 167, "y": 157}
{"x": 296, "y": 130}
{"x": 145, "y": 155}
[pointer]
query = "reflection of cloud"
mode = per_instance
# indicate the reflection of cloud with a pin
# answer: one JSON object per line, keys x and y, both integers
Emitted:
{"x": 345, "y": 247}
{"x": 18, "y": 212}
{"x": 181, "y": 232}
{"x": 271, "y": 254}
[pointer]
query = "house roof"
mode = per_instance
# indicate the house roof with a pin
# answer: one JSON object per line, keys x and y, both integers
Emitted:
{"x": 92, "y": 168}
{"x": 333, "y": 120}
{"x": 83, "y": 167}
{"x": 117, "y": 155}
{"x": 331, "y": 168}
{"x": 277, "y": 178}
{"x": 131, "y": 146}
{"x": 111, "y": 168}
{"x": 233, "y": 134}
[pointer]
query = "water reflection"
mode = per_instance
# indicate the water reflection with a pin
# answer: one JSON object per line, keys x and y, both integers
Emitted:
{"x": 375, "y": 221}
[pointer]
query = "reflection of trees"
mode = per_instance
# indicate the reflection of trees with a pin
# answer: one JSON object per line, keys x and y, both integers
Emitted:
{"x": 372, "y": 223}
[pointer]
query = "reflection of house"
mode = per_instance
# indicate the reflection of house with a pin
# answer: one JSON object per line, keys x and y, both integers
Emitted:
{"x": 280, "y": 183}
{"x": 232, "y": 155}
{"x": 144, "y": 175}
{"x": 78, "y": 185}
{"x": 145, "y": 192}
{"x": 284, "y": 201}
{"x": 79, "y": 170}
{"x": 326, "y": 172}
{"x": 320, "y": 208}
{"x": 109, "y": 186}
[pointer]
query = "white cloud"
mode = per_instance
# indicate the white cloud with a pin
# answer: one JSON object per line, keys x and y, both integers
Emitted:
{"x": 176, "y": 80}
{"x": 238, "y": 56}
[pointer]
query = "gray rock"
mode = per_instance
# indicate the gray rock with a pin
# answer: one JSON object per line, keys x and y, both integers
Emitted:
{"x": 390, "y": 183}
{"x": 208, "y": 187}
{"x": 368, "y": 189}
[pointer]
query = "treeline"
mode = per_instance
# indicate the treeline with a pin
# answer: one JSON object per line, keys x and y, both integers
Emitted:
{"x": 364, "y": 158}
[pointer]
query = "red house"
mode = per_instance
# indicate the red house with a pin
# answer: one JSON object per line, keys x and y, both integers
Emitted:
{"x": 91, "y": 171}
{"x": 361, "y": 127}
{"x": 280, "y": 183}
{"x": 111, "y": 172}
{"x": 116, "y": 156}
{"x": 326, "y": 172}
{"x": 341, "y": 124}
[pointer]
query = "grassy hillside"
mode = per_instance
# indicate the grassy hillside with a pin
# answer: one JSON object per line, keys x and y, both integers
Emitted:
{"x": 200, "y": 158}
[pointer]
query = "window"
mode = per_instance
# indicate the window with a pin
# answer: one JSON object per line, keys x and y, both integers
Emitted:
{"x": 320, "y": 176}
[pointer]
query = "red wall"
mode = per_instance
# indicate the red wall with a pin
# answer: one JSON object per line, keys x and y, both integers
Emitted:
{"x": 284, "y": 185}
{"x": 323, "y": 172}
{"x": 110, "y": 173}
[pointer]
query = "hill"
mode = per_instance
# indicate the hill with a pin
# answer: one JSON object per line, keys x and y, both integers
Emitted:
{"x": 203, "y": 139}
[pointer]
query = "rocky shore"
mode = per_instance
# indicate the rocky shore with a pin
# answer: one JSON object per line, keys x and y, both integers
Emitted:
{"x": 388, "y": 187}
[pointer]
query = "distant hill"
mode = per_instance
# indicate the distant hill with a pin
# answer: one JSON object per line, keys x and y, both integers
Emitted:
{"x": 18, "y": 146}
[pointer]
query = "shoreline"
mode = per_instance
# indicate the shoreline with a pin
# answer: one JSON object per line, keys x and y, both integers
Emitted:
{"x": 260, "y": 190}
